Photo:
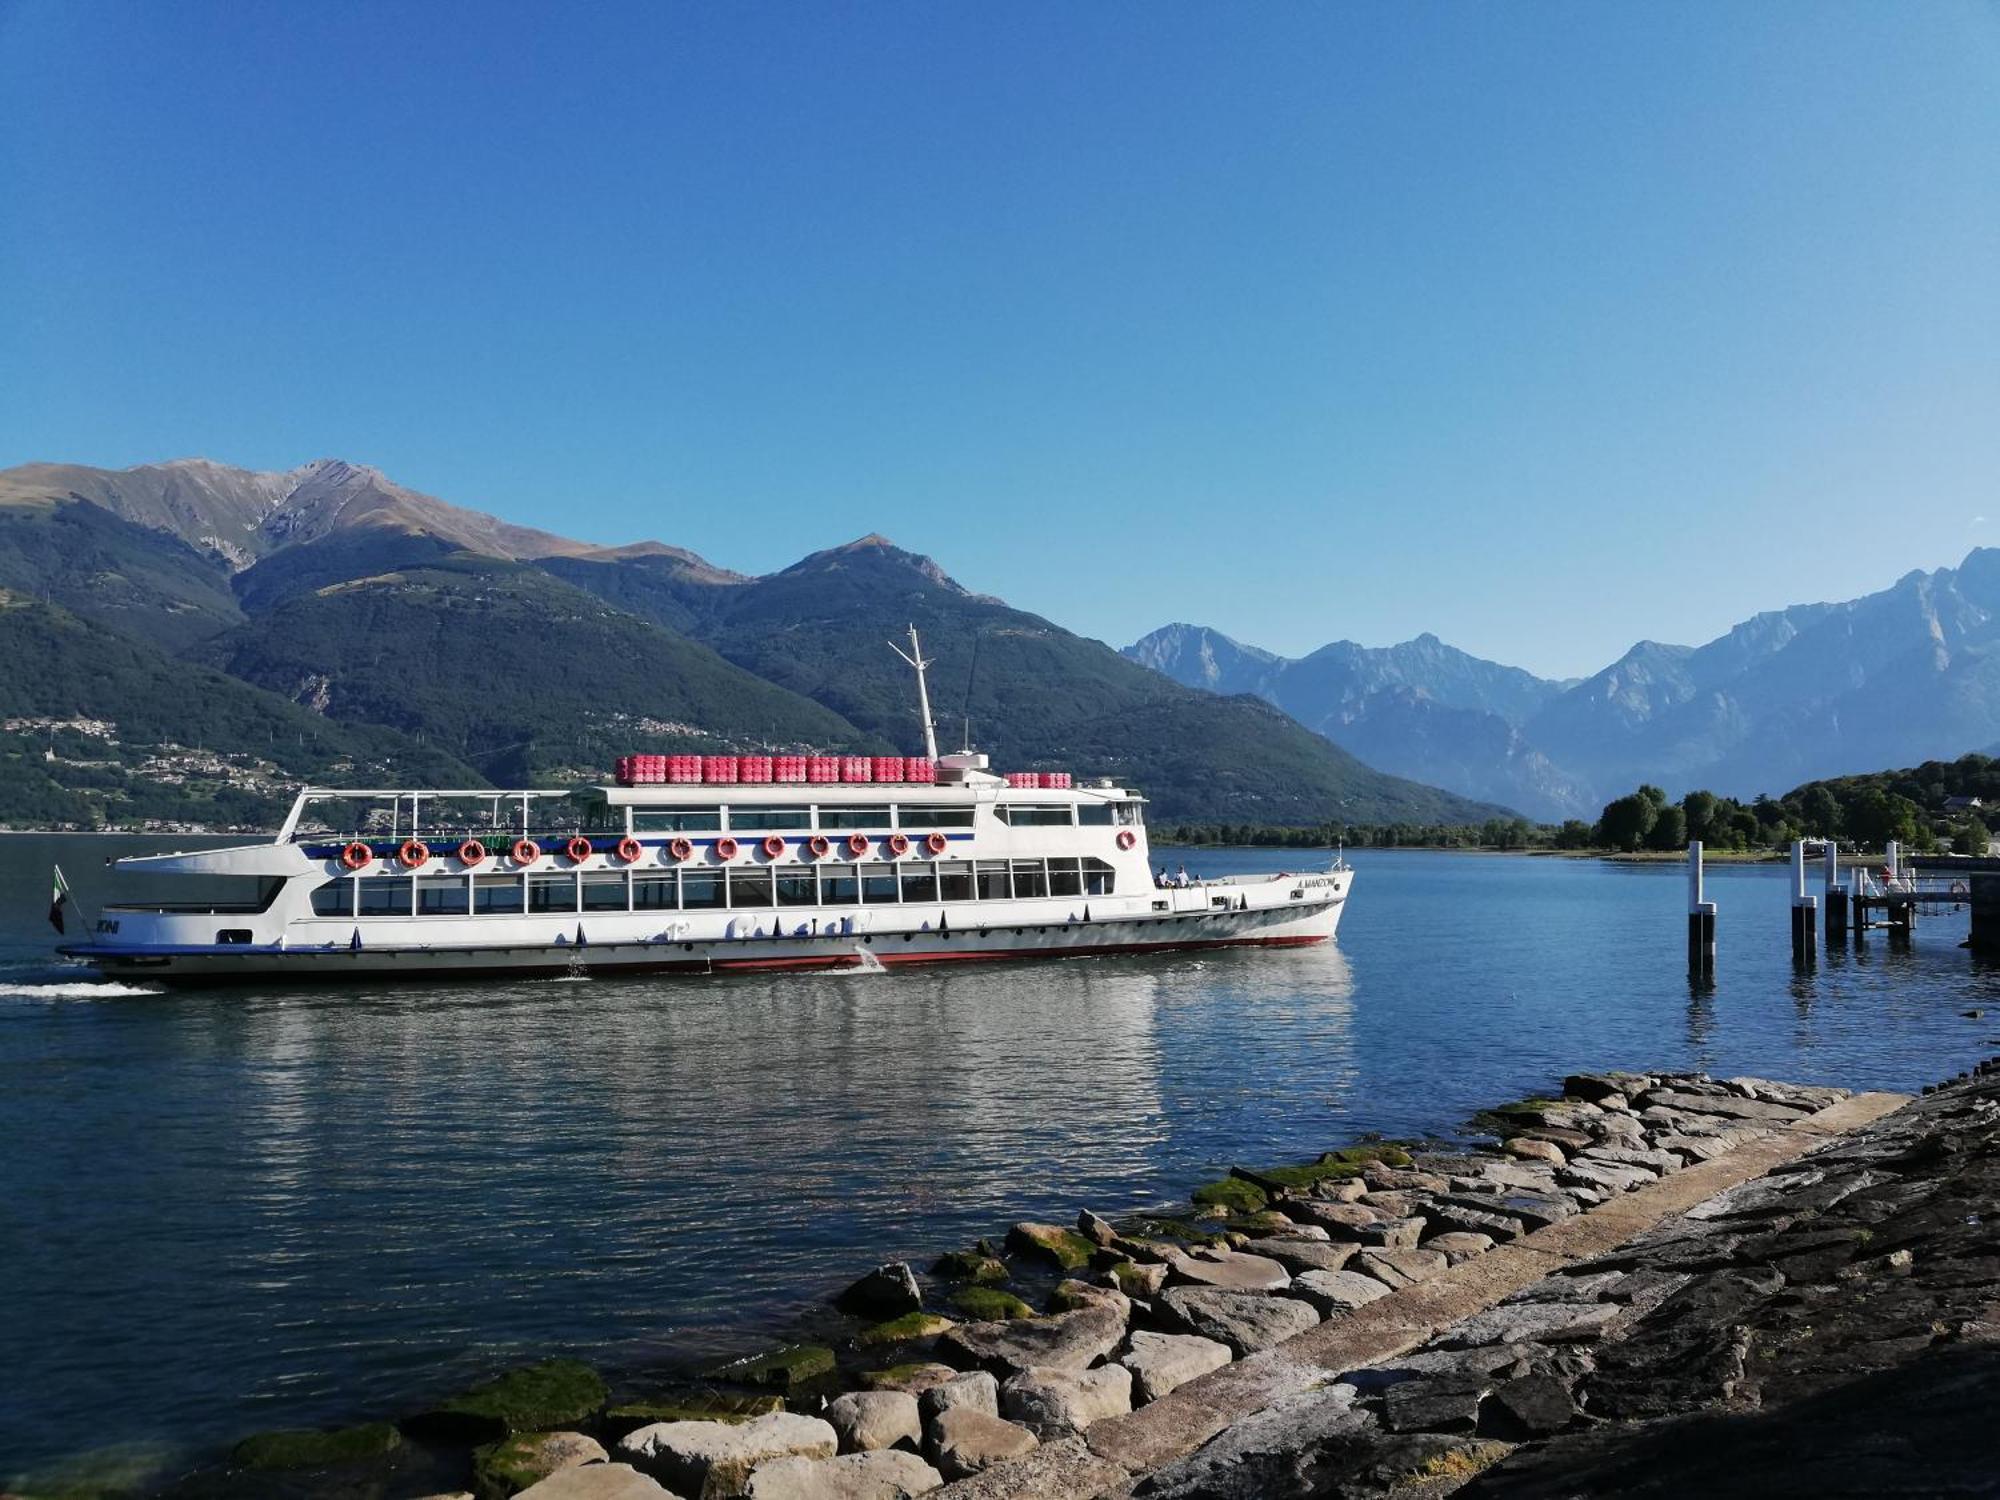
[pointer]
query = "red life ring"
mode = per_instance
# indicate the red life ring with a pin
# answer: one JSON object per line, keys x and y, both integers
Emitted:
{"x": 819, "y": 846}
{"x": 681, "y": 849}
{"x": 937, "y": 843}
{"x": 526, "y": 851}
{"x": 413, "y": 854}
{"x": 725, "y": 848}
{"x": 578, "y": 849}
{"x": 356, "y": 856}
{"x": 629, "y": 850}
{"x": 857, "y": 844}
{"x": 898, "y": 845}
{"x": 773, "y": 846}
{"x": 1127, "y": 838}
{"x": 471, "y": 853}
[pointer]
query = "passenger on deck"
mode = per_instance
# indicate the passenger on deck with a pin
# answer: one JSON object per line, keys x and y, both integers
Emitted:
{"x": 1181, "y": 877}
{"x": 1160, "y": 880}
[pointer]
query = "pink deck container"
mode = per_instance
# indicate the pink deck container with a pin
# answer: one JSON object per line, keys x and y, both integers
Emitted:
{"x": 917, "y": 769}
{"x": 683, "y": 770}
{"x": 822, "y": 770}
{"x": 888, "y": 768}
{"x": 856, "y": 768}
{"x": 719, "y": 769}
{"x": 1055, "y": 781}
{"x": 788, "y": 768}
{"x": 754, "y": 768}
{"x": 1023, "y": 779}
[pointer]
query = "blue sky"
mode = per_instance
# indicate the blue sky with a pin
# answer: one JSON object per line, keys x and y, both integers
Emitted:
{"x": 1542, "y": 326}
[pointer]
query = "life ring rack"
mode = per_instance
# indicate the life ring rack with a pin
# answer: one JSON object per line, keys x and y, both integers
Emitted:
{"x": 1127, "y": 838}
{"x": 899, "y": 845}
{"x": 578, "y": 849}
{"x": 857, "y": 844}
{"x": 820, "y": 846}
{"x": 525, "y": 851}
{"x": 472, "y": 854}
{"x": 414, "y": 854}
{"x": 773, "y": 846}
{"x": 681, "y": 850}
{"x": 356, "y": 856}
{"x": 629, "y": 850}
{"x": 936, "y": 843}
{"x": 727, "y": 848}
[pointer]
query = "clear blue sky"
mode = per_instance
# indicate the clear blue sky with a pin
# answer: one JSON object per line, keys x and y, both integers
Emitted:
{"x": 1542, "y": 326}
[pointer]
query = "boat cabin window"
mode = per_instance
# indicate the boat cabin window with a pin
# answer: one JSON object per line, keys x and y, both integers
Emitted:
{"x": 1095, "y": 814}
{"x": 1128, "y": 814}
{"x": 1099, "y": 878}
{"x": 496, "y": 895}
{"x": 839, "y": 886}
{"x": 750, "y": 887}
{"x": 551, "y": 893}
{"x": 701, "y": 890}
{"x": 443, "y": 896}
{"x": 604, "y": 890}
{"x": 1024, "y": 815}
{"x": 677, "y": 820}
{"x": 955, "y": 880}
{"x": 1065, "y": 877}
{"x": 769, "y": 819}
{"x": 920, "y": 882}
{"x": 384, "y": 896}
{"x": 935, "y": 817}
{"x": 656, "y": 890}
{"x": 795, "y": 888}
{"x": 1030, "y": 879}
{"x": 878, "y": 885}
{"x": 833, "y": 819}
{"x": 334, "y": 899}
{"x": 993, "y": 880}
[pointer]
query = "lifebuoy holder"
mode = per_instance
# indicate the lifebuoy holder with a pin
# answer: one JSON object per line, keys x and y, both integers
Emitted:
{"x": 578, "y": 849}
{"x": 526, "y": 851}
{"x": 414, "y": 854}
{"x": 773, "y": 846}
{"x": 356, "y": 856}
{"x": 1127, "y": 838}
{"x": 681, "y": 849}
{"x": 819, "y": 844}
{"x": 937, "y": 843}
{"x": 726, "y": 848}
{"x": 628, "y": 850}
{"x": 857, "y": 844}
{"x": 898, "y": 845}
{"x": 472, "y": 854}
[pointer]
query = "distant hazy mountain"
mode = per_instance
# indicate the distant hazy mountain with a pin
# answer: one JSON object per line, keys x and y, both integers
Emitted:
{"x": 416, "y": 635}
{"x": 1896, "y": 677}
{"x": 1433, "y": 712}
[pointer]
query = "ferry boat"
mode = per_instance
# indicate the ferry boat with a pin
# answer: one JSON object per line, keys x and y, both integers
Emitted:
{"x": 699, "y": 864}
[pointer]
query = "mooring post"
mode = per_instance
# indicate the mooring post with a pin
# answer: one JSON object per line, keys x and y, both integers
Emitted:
{"x": 1804, "y": 919}
{"x": 1902, "y": 910}
{"x": 1836, "y": 899}
{"x": 1701, "y": 918}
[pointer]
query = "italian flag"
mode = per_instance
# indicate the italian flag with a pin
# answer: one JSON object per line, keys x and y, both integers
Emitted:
{"x": 58, "y": 899}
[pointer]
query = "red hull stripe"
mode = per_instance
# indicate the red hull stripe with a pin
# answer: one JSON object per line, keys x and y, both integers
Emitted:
{"x": 990, "y": 955}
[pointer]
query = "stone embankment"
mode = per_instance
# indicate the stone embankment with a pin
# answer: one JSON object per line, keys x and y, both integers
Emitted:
{"x": 1381, "y": 1320}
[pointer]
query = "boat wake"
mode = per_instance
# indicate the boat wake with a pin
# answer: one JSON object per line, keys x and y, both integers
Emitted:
{"x": 866, "y": 963}
{"x": 108, "y": 989}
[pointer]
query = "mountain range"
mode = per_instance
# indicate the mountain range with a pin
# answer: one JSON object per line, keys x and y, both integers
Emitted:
{"x": 1908, "y": 674}
{"x": 185, "y": 641}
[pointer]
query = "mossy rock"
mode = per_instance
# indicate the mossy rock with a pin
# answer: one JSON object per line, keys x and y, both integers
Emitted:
{"x": 1065, "y": 1247}
{"x": 784, "y": 1369}
{"x": 1234, "y": 1195}
{"x": 1135, "y": 1280}
{"x": 557, "y": 1393}
{"x": 710, "y": 1406}
{"x": 916, "y": 1376}
{"x": 969, "y": 1265}
{"x": 1159, "y": 1231}
{"x": 308, "y": 1449}
{"x": 1334, "y": 1166}
{"x": 911, "y": 1325}
{"x": 985, "y": 1304}
{"x": 502, "y": 1470}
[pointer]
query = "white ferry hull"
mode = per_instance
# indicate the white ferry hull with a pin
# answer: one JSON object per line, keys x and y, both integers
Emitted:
{"x": 1274, "y": 912}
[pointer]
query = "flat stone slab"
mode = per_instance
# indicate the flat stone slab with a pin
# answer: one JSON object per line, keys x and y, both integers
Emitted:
{"x": 1335, "y": 1292}
{"x": 1541, "y": 1322}
{"x": 1308, "y": 1255}
{"x": 1233, "y": 1270}
{"x": 596, "y": 1482}
{"x": 1245, "y": 1321}
{"x": 1401, "y": 1268}
{"x": 1162, "y": 1362}
{"x": 1055, "y": 1403}
{"x": 856, "y": 1476}
{"x": 964, "y": 1440}
{"x": 1069, "y": 1341}
{"x": 714, "y": 1460}
{"x": 1067, "y": 1470}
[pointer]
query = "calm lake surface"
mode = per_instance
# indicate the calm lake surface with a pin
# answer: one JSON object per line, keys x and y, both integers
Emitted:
{"x": 234, "y": 1210}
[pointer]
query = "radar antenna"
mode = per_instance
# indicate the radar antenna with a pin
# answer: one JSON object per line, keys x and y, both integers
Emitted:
{"x": 915, "y": 657}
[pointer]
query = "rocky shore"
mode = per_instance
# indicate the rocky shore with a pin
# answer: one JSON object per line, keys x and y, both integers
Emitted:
{"x": 1382, "y": 1317}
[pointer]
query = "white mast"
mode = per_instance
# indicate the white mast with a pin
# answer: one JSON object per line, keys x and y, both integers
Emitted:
{"x": 915, "y": 657}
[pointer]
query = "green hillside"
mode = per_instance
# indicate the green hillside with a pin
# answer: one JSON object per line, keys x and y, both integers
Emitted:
{"x": 514, "y": 672}
{"x": 97, "y": 729}
{"x": 1038, "y": 696}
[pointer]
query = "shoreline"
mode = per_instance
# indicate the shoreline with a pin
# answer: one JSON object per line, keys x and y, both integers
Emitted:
{"x": 1354, "y": 1227}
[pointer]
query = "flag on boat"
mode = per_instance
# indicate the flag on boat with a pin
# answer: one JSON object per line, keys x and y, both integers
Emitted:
{"x": 58, "y": 899}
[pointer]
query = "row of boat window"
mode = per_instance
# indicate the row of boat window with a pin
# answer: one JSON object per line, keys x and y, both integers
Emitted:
{"x": 830, "y": 819}
{"x": 709, "y": 889}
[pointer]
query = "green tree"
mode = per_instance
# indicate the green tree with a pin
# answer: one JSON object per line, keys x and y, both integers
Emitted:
{"x": 1669, "y": 830}
{"x": 1875, "y": 816}
{"x": 1574, "y": 834}
{"x": 1625, "y": 822}
{"x": 1820, "y": 811}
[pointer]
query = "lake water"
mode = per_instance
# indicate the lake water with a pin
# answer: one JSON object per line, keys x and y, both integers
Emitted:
{"x": 244, "y": 1209}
